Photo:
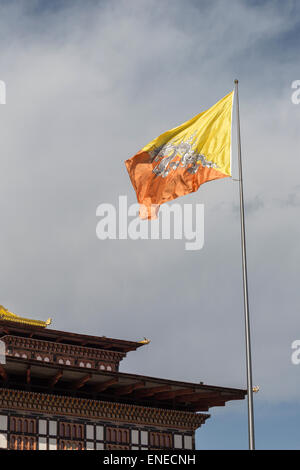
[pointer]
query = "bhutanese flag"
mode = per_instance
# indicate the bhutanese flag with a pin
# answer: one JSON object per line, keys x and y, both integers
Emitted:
{"x": 181, "y": 159}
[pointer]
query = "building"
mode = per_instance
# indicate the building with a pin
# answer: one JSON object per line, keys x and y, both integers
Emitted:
{"x": 60, "y": 390}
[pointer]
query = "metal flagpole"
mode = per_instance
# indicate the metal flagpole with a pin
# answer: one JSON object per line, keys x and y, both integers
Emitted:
{"x": 245, "y": 281}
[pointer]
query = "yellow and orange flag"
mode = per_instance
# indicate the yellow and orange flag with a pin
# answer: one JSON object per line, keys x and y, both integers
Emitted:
{"x": 180, "y": 160}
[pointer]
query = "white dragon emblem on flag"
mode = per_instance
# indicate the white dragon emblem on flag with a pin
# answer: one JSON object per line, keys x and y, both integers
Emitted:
{"x": 167, "y": 156}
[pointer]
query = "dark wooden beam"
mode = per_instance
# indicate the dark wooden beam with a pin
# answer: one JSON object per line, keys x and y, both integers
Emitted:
{"x": 173, "y": 394}
{"x": 59, "y": 339}
{"x": 127, "y": 389}
{"x": 105, "y": 345}
{"x": 196, "y": 397}
{"x": 80, "y": 383}
{"x": 199, "y": 407}
{"x": 5, "y": 330}
{"x": 149, "y": 392}
{"x": 204, "y": 406}
{"x": 28, "y": 375}
{"x": 55, "y": 378}
{"x": 104, "y": 385}
{"x": 3, "y": 373}
{"x": 220, "y": 400}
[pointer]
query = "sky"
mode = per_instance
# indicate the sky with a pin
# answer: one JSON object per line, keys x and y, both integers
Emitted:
{"x": 88, "y": 85}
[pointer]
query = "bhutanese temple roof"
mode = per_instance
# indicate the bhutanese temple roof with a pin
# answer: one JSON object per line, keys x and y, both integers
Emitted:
{"x": 12, "y": 317}
{"x": 10, "y": 323}
{"x": 79, "y": 365}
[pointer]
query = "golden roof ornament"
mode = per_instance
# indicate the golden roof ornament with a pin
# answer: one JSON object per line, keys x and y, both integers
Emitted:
{"x": 145, "y": 341}
{"x": 9, "y": 316}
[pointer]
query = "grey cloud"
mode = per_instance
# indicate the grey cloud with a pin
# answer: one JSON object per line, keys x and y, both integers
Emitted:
{"x": 251, "y": 206}
{"x": 292, "y": 200}
{"x": 86, "y": 88}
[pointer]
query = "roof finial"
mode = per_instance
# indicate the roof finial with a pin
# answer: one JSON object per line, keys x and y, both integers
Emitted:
{"x": 9, "y": 316}
{"x": 145, "y": 341}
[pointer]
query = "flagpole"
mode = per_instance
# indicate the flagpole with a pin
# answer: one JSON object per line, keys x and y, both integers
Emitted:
{"x": 245, "y": 281}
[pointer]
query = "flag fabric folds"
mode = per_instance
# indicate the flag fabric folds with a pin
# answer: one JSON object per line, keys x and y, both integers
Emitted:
{"x": 180, "y": 160}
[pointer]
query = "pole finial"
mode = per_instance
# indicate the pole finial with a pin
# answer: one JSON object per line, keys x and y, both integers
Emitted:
{"x": 236, "y": 81}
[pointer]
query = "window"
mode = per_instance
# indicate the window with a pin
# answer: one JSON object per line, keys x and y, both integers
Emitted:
{"x": 22, "y": 442}
{"x": 159, "y": 439}
{"x": 116, "y": 447}
{"x": 118, "y": 435}
{"x": 70, "y": 445}
{"x": 71, "y": 431}
{"x": 72, "y": 436}
{"x": 24, "y": 425}
{"x": 13, "y": 424}
{"x": 31, "y": 426}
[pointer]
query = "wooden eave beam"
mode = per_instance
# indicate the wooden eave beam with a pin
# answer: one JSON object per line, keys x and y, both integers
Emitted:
{"x": 172, "y": 394}
{"x": 199, "y": 408}
{"x": 210, "y": 403}
{"x": 104, "y": 385}
{"x": 110, "y": 346}
{"x": 80, "y": 383}
{"x": 127, "y": 389}
{"x": 220, "y": 400}
{"x": 149, "y": 392}
{"x": 196, "y": 397}
{"x": 28, "y": 375}
{"x": 5, "y": 330}
{"x": 59, "y": 339}
{"x": 204, "y": 406}
{"x": 56, "y": 378}
{"x": 3, "y": 373}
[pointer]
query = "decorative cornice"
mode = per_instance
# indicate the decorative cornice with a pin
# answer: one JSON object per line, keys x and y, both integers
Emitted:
{"x": 36, "y": 345}
{"x": 99, "y": 410}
